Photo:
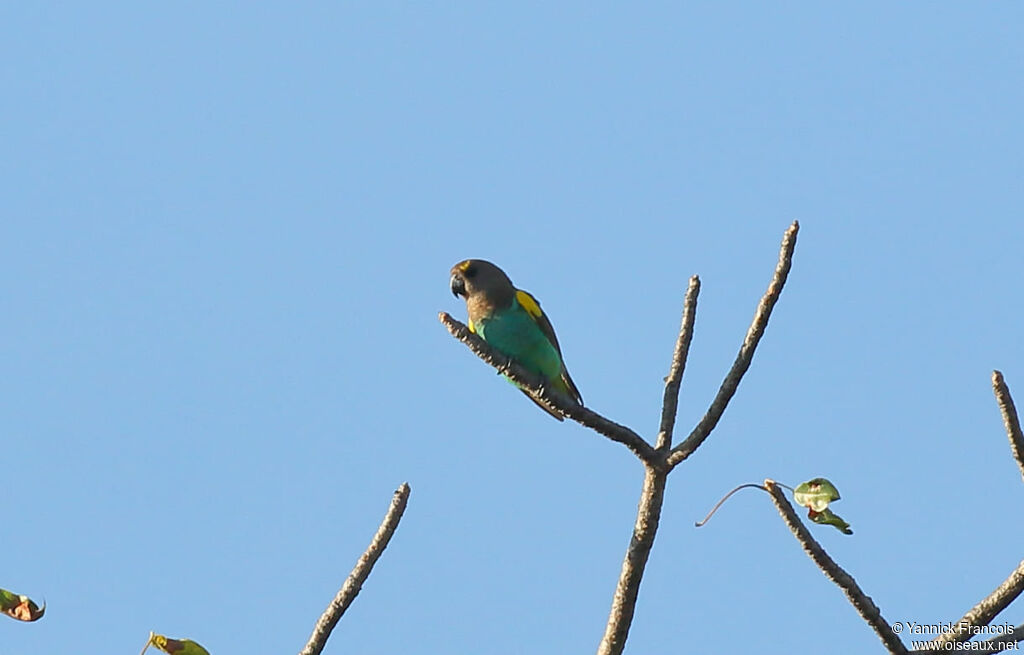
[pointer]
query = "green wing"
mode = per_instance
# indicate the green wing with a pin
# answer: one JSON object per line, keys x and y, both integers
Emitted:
{"x": 532, "y": 307}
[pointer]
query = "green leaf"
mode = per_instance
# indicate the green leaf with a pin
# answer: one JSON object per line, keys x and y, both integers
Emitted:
{"x": 20, "y": 607}
{"x": 827, "y": 517}
{"x": 815, "y": 494}
{"x": 176, "y": 646}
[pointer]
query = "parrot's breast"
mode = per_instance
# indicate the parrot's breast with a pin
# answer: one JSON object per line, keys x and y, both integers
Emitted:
{"x": 515, "y": 333}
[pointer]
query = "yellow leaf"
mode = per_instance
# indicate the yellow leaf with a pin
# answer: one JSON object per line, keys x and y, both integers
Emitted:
{"x": 175, "y": 646}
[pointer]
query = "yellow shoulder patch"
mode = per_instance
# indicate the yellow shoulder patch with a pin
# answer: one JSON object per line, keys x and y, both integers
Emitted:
{"x": 528, "y": 303}
{"x": 472, "y": 328}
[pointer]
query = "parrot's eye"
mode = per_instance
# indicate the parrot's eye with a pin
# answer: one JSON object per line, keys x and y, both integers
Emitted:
{"x": 470, "y": 271}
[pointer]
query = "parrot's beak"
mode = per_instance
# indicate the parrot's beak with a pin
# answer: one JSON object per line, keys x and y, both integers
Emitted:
{"x": 458, "y": 286}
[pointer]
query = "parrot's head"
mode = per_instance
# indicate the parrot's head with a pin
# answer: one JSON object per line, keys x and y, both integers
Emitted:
{"x": 477, "y": 278}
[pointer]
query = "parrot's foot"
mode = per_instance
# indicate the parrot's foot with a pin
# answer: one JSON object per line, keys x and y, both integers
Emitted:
{"x": 506, "y": 365}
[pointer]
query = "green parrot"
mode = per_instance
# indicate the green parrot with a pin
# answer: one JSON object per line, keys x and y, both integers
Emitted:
{"x": 511, "y": 320}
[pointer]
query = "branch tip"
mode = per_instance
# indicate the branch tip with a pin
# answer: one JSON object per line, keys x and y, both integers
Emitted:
{"x": 745, "y": 355}
{"x": 354, "y": 583}
{"x": 670, "y": 401}
{"x": 1010, "y": 419}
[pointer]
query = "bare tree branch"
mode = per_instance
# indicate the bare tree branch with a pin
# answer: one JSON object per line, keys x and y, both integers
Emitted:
{"x": 861, "y": 601}
{"x": 670, "y": 404}
{"x": 554, "y": 400}
{"x": 646, "y": 526}
{"x": 990, "y": 606}
{"x": 1010, "y": 419}
{"x": 659, "y": 461}
{"x": 985, "y": 611}
{"x": 745, "y": 356}
{"x": 354, "y": 582}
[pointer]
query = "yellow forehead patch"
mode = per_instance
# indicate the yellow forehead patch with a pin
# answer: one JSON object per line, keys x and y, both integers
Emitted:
{"x": 462, "y": 266}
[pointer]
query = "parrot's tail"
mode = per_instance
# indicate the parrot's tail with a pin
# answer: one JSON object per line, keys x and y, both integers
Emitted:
{"x": 543, "y": 406}
{"x": 560, "y": 385}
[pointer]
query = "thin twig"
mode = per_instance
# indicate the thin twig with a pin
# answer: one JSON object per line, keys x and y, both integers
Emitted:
{"x": 670, "y": 403}
{"x": 751, "y": 485}
{"x": 357, "y": 577}
{"x": 861, "y": 601}
{"x": 556, "y": 401}
{"x": 746, "y": 354}
{"x": 624, "y": 601}
{"x": 1010, "y": 419}
{"x": 985, "y": 611}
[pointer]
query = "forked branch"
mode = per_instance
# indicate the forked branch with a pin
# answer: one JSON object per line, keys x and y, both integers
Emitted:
{"x": 990, "y": 606}
{"x": 745, "y": 356}
{"x": 984, "y": 611}
{"x": 658, "y": 461}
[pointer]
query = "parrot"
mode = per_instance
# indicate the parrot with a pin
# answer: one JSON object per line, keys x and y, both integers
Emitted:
{"x": 511, "y": 320}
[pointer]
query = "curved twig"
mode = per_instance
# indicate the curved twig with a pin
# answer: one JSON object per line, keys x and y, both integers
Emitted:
{"x": 749, "y": 485}
{"x": 861, "y": 601}
{"x": 745, "y": 356}
{"x": 354, "y": 583}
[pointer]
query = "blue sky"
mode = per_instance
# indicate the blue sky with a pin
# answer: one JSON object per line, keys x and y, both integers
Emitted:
{"x": 227, "y": 233}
